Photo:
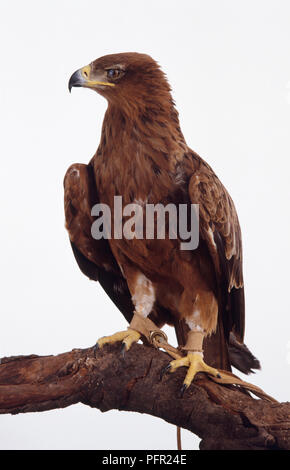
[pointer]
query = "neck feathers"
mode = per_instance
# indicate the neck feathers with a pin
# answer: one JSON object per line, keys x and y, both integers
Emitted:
{"x": 153, "y": 130}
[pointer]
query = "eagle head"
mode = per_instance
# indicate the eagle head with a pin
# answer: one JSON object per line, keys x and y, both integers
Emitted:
{"x": 126, "y": 77}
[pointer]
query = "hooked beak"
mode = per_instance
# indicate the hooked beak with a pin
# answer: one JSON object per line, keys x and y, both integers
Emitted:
{"x": 76, "y": 80}
{"x": 81, "y": 78}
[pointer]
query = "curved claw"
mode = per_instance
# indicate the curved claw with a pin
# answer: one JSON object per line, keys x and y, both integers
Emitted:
{"x": 123, "y": 350}
{"x": 182, "y": 390}
{"x": 96, "y": 347}
{"x": 194, "y": 362}
{"x": 128, "y": 337}
{"x": 165, "y": 370}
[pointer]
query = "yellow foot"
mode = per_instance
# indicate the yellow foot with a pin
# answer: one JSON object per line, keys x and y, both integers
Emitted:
{"x": 127, "y": 337}
{"x": 195, "y": 364}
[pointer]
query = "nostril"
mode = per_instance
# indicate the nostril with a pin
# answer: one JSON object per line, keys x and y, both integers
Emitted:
{"x": 85, "y": 74}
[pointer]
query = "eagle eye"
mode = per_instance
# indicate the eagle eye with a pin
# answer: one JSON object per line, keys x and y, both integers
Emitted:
{"x": 113, "y": 73}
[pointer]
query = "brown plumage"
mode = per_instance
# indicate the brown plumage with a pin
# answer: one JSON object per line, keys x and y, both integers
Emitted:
{"x": 143, "y": 156}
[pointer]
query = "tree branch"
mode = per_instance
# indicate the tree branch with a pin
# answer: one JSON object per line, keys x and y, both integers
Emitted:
{"x": 222, "y": 416}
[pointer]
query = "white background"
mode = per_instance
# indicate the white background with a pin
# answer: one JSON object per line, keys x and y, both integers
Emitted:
{"x": 228, "y": 64}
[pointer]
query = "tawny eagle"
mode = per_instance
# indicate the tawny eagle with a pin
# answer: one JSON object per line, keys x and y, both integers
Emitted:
{"x": 143, "y": 156}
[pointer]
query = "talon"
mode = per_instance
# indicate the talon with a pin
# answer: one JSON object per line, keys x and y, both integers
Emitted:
{"x": 182, "y": 390}
{"x": 164, "y": 371}
{"x": 123, "y": 350}
{"x": 131, "y": 337}
{"x": 219, "y": 376}
{"x": 96, "y": 347}
{"x": 195, "y": 364}
{"x": 127, "y": 337}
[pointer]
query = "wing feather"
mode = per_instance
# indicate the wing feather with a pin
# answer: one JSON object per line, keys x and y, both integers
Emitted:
{"x": 94, "y": 257}
{"x": 220, "y": 228}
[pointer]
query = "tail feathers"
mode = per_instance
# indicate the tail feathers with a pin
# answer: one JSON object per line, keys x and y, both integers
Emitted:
{"x": 216, "y": 353}
{"x": 241, "y": 357}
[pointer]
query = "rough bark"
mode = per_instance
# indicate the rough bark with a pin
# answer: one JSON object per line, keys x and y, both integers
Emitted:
{"x": 222, "y": 416}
